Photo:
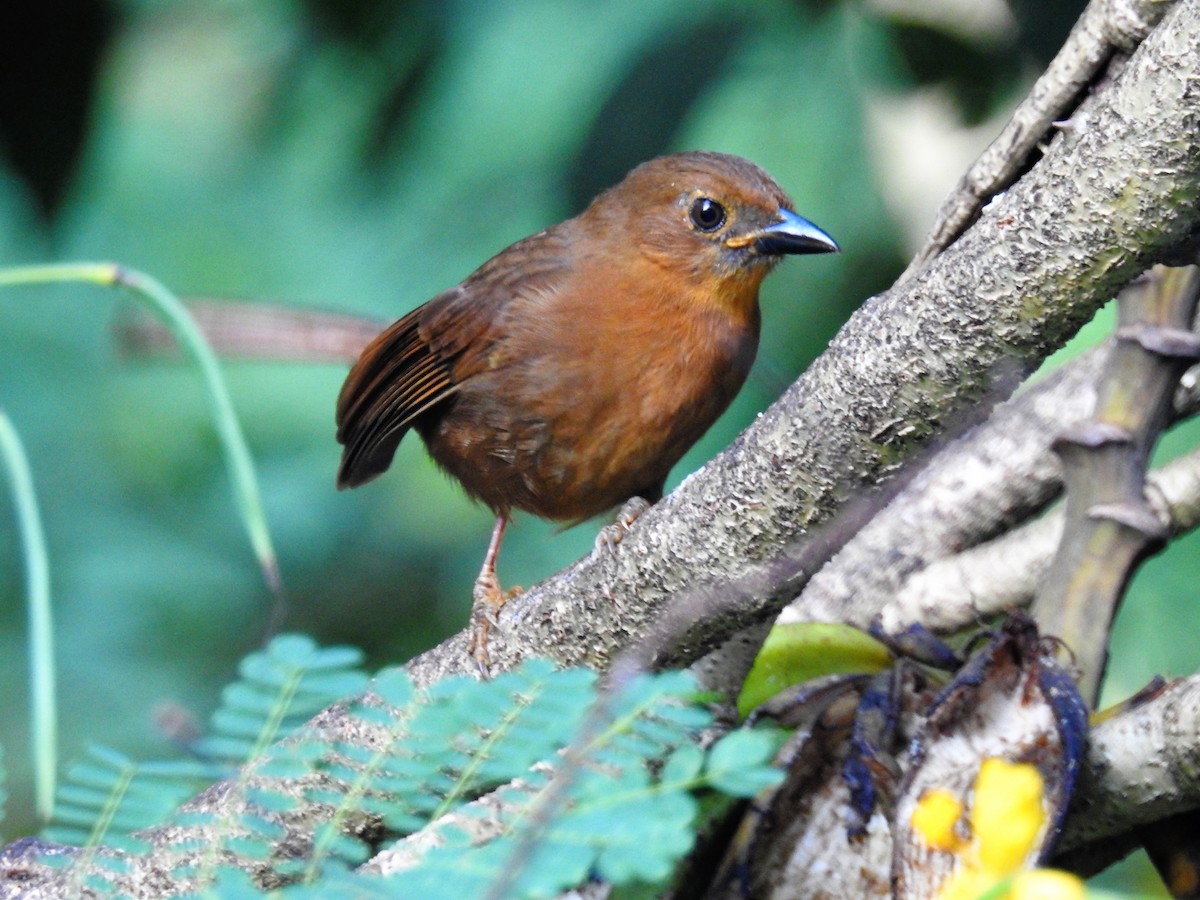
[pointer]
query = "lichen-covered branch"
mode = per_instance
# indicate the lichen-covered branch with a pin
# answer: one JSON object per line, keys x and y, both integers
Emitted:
{"x": 1142, "y": 765}
{"x": 985, "y": 483}
{"x": 957, "y": 591}
{"x": 1106, "y": 28}
{"x": 959, "y": 542}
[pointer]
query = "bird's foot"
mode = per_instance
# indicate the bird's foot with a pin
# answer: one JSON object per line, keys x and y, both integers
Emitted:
{"x": 487, "y": 599}
{"x": 611, "y": 535}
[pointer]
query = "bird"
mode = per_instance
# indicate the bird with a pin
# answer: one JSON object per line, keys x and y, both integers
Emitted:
{"x": 569, "y": 373}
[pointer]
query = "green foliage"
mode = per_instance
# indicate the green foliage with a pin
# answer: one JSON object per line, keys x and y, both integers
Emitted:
{"x": 105, "y": 796}
{"x": 618, "y": 822}
{"x": 42, "y": 673}
{"x": 280, "y": 688}
{"x": 797, "y": 652}
{"x": 581, "y": 785}
{"x": 161, "y": 302}
{"x": 627, "y": 811}
{"x": 458, "y": 739}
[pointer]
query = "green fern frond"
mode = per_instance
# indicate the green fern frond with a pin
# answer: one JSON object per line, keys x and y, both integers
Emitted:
{"x": 229, "y": 884}
{"x": 626, "y": 814}
{"x": 279, "y": 688}
{"x": 448, "y": 744}
{"x": 624, "y": 820}
{"x": 106, "y": 796}
{"x": 623, "y": 826}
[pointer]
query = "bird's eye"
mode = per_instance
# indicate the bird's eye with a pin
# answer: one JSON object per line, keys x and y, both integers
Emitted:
{"x": 707, "y": 214}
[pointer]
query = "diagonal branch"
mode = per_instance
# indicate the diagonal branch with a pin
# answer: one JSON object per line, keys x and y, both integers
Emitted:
{"x": 1104, "y": 30}
{"x": 954, "y": 592}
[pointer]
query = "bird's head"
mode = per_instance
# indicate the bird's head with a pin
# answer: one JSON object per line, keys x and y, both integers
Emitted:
{"x": 710, "y": 217}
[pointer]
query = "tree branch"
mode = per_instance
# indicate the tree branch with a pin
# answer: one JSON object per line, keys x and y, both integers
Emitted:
{"x": 1142, "y": 765}
{"x": 957, "y": 591}
{"x": 1104, "y": 30}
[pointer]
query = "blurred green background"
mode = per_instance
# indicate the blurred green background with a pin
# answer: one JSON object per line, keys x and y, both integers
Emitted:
{"x": 361, "y": 156}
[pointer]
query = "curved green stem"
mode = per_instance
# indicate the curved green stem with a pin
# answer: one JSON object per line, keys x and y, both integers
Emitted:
{"x": 183, "y": 327}
{"x": 43, "y": 702}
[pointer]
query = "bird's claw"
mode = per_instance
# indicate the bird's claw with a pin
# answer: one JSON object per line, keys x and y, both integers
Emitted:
{"x": 486, "y": 602}
{"x": 611, "y": 535}
{"x": 481, "y": 626}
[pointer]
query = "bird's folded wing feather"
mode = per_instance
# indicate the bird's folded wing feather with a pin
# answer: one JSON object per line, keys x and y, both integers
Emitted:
{"x": 423, "y": 358}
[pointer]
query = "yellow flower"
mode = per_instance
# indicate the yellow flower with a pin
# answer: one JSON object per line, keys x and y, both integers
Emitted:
{"x": 936, "y": 819}
{"x": 1007, "y": 814}
{"x": 1007, "y": 821}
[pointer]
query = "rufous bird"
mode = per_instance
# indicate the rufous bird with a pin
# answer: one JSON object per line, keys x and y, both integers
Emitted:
{"x": 571, "y": 371}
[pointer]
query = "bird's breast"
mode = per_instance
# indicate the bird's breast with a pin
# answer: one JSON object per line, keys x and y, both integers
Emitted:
{"x": 591, "y": 397}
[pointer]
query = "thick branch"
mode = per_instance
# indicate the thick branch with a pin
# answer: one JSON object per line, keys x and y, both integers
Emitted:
{"x": 1141, "y": 766}
{"x": 1105, "y": 28}
{"x": 985, "y": 483}
{"x": 958, "y": 591}
{"x": 933, "y": 555}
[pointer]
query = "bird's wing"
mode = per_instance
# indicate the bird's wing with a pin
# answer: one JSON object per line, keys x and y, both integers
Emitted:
{"x": 420, "y": 360}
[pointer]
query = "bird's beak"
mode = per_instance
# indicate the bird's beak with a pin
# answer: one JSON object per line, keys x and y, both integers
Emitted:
{"x": 793, "y": 234}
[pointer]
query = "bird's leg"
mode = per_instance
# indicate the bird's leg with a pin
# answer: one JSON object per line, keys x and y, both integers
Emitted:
{"x": 613, "y": 534}
{"x": 487, "y": 598}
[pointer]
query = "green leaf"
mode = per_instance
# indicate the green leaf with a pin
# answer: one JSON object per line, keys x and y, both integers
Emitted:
{"x": 174, "y": 770}
{"x": 283, "y": 764}
{"x": 108, "y": 756}
{"x": 799, "y": 652}
{"x": 739, "y": 763}
{"x": 266, "y": 828}
{"x": 295, "y": 650}
{"x": 230, "y": 884}
{"x": 249, "y": 847}
{"x": 98, "y": 883}
{"x": 558, "y": 860}
{"x": 269, "y": 800}
{"x": 339, "y": 845}
{"x": 340, "y": 657}
{"x": 683, "y": 766}
{"x": 263, "y": 671}
{"x": 224, "y": 748}
{"x": 331, "y": 686}
{"x": 394, "y": 687}
{"x": 248, "y": 698}
{"x": 233, "y": 724}
{"x": 649, "y": 839}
